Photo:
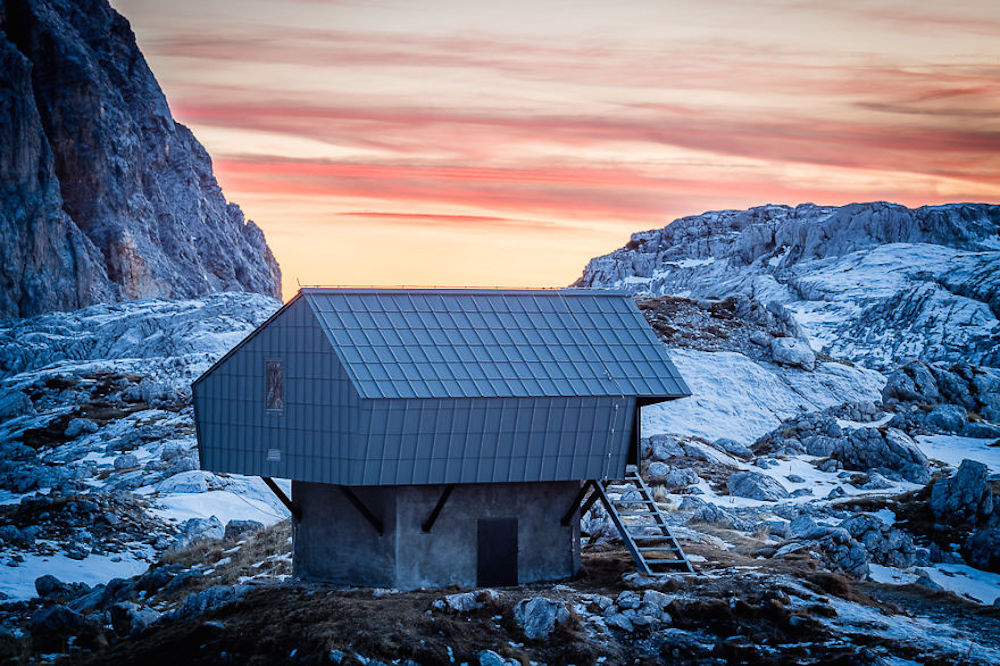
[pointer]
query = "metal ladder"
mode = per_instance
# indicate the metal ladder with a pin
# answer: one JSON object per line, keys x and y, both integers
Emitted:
{"x": 630, "y": 505}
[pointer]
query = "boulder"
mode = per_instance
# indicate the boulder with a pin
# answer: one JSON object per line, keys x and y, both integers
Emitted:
{"x": 755, "y": 485}
{"x": 466, "y": 602}
{"x": 490, "y": 658}
{"x": 948, "y": 418}
{"x": 794, "y": 352}
{"x": 982, "y": 549}
{"x": 196, "y": 481}
{"x": 237, "y": 528}
{"x": 538, "y": 617}
{"x": 913, "y": 382}
{"x": 51, "y": 627}
{"x": 733, "y": 447}
{"x": 131, "y": 618}
{"x": 966, "y": 498}
{"x": 714, "y": 514}
{"x": 127, "y": 461}
{"x": 13, "y": 404}
{"x": 664, "y": 447}
{"x": 672, "y": 477}
{"x": 194, "y": 530}
{"x": 210, "y": 599}
{"x": 867, "y": 448}
{"x": 884, "y": 543}
{"x": 51, "y": 588}
{"x": 79, "y": 426}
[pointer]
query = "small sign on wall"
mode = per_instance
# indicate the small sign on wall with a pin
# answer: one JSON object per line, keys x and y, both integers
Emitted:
{"x": 274, "y": 455}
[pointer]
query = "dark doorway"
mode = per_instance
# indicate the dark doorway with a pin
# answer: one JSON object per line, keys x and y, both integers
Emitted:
{"x": 497, "y": 554}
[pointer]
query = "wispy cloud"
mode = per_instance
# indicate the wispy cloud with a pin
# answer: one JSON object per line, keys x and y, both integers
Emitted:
{"x": 648, "y": 111}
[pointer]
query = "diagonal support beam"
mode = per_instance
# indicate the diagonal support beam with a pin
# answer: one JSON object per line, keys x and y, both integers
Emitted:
{"x": 294, "y": 508}
{"x": 362, "y": 509}
{"x": 432, "y": 518}
{"x": 568, "y": 516}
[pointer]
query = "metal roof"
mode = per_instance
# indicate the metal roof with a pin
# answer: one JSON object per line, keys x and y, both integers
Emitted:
{"x": 471, "y": 343}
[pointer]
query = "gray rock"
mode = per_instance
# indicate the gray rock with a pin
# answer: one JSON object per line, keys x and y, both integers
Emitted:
{"x": 13, "y": 404}
{"x": 628, "y": 600}
{"x": 714, "y": 514}
{"x": 105, "y": 197}
{"x": 793, "y": 352}
{"x": 836, "y": 493}
{"x": 664, "y": 447}
{"x": 129, "y": 618}
{"x": 237, "y": 528}
{"x": 194, "y": 530}
{"x": 50, "y": 628}
{"x": 755, "y": 485}
{"x": 657, "y": 471}
{"x": 867, "y": 448}
{"x": 172, "y": 450}
{"x": 620, "y": 621}
{"x": 802, "y": 492}
{"x": 538, "y": 617}
{"x": 490, "y": 658}
{"x": 733, "y": 447}
{"x": 795, "y": 478}
{"x": 465, "y": 602}
{"x": 760, "y": 338}
{"x": 913, "y": 382}
{"x": 210, "y": 599}
{"x": 924, "y": 580}
{"x": 876, "y": 482}
{"x": 982, "y": 549}
{"x": 78, "y": 426}
{"x": 948, "y": 418}
{"x": 885, "y": 544}
{"x": 127, "y": 461}
{"x": 966, "y": 498}
{"x": 672, "y": 477}
{"x": 51, "y": 588}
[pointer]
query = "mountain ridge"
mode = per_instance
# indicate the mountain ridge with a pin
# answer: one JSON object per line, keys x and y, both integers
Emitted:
{"x": 875, "y": 283}
{"x": 105, "y": 197}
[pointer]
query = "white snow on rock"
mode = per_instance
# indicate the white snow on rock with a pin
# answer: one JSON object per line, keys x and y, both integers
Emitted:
{"x": 737, "y": 398}
{"x": 875, "y": 283}
{"x": 19, "y": 582}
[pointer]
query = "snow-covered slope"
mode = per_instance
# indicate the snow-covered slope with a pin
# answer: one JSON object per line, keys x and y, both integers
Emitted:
{"x": 98, "y": 459}
{"x": 875, "y": 283}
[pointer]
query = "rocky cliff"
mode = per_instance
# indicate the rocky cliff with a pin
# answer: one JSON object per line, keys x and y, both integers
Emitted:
{"x": 103, "y": 196}
{"x": 876, "y": 283}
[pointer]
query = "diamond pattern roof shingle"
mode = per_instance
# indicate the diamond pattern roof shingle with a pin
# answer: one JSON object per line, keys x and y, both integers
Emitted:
{"x": 464, "y": 343}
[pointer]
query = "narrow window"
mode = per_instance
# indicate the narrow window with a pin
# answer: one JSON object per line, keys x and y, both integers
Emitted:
{"x": 274, "y": 380}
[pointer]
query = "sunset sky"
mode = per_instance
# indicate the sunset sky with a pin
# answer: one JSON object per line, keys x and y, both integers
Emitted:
{"x": 470, "y": 143}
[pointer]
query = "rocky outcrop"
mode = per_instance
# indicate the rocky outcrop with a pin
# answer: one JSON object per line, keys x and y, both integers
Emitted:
{"x": 975, "y": 388}
{"x": 754, "y": 485}
{"x": 103, "y": 196}
{"x": 847, "y": 274}
{"x": 966, "y": 498}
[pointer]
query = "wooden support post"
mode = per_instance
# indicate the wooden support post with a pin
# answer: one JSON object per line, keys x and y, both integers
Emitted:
{"x": 568, "y": 516}
{"x": 294, "y": 508}
{"x": 362, "y": 509}
{"x": 431, "y": 519}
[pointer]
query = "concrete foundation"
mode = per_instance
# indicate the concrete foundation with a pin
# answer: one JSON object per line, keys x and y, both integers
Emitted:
{"x": 334, "y": 542}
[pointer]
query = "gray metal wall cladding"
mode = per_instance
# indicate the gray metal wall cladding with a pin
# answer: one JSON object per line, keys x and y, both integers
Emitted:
{"x": 327, "y": 434}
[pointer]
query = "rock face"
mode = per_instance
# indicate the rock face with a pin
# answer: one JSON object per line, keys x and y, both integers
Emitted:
{"x": 104, "y": 197}
{"x": 966, "y": 498}
{"x": 846, "y": 274}
{"x": 974, "y": 388}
